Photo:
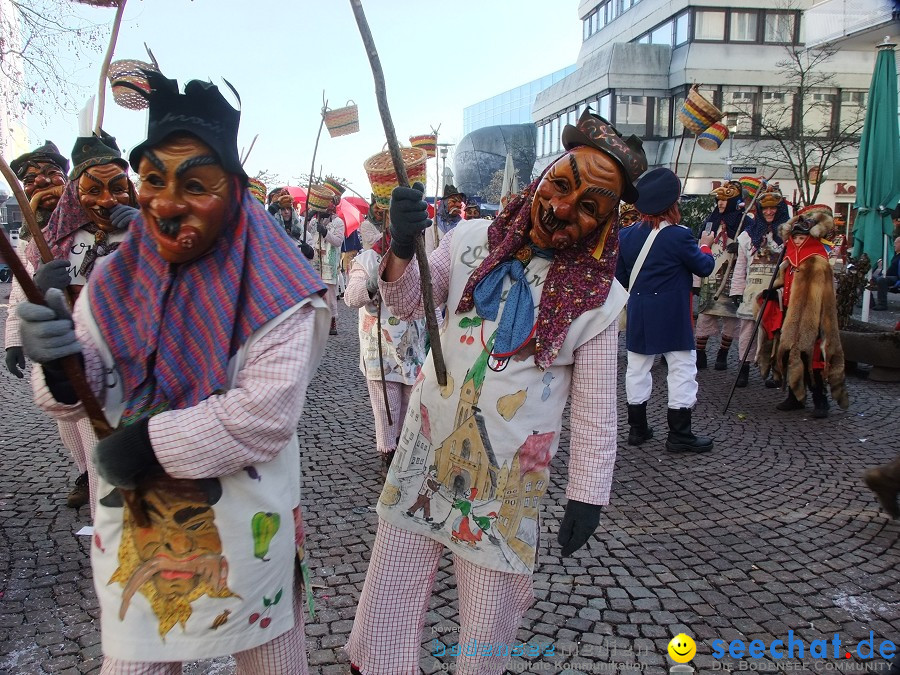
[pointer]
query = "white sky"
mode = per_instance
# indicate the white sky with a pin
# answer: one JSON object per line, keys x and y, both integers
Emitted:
{"x": 437, "y": 56}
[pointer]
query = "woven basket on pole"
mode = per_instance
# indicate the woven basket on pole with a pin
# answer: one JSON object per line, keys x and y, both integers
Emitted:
{"x": 712, "y": 138}
{"x": 342, "y": 121}
{"x": 697, "y": 114}
{"x": 383, "y": 178}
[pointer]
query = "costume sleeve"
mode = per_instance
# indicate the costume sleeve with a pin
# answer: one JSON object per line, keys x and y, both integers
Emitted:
{"x": 623, "y": 274}
{"x": 592, "y": 445}
{"x": 404, "y": 296}
{"x": 356, "y": 295}
{"x": 16, "y": 295}
{"x": 335, "y": 235}
{"x": 250, "y": 423}
{"x": 699, "y": 263}
{"x": 739, "y": 279}
{"x": 93, "y": 370}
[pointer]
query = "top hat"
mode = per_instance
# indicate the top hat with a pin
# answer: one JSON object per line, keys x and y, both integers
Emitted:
{"x": 658, "y": 190}
{"x": 48, "y": 152}
{"x": 95, "y": 150}
{"x": 201, "y": 111}
{"x": 450, "y": 191}
{"x": 595, "y": 132}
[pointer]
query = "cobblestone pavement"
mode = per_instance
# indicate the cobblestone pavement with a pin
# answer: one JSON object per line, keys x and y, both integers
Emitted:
{"x": 772, "y": 531}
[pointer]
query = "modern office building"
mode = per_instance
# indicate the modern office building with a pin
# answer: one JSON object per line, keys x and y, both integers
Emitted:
{"x": 640, "y": 57}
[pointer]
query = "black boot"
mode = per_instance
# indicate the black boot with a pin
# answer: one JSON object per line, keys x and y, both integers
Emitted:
{"x": 701, "y": 360}
{"x": 771, "y": 383}
{"x": 333, "y": 329}
{"x": 743, "y": 376}
{"x": 637, "y": 421}
{"x": 819, "y": 397}
{"x": 386, "y": 459}
{"x": 681, "y": 438}
{"x": 722, "y": 360}
{"x": 791, "y": 403}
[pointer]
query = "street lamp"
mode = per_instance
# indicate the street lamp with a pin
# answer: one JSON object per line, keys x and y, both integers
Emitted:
{"x": 731, "y": 123}
{"x": 444, "y": 148}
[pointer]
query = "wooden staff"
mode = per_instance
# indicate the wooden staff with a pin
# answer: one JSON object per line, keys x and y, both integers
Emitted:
{"x": 680, "y": 143}
{"x": 104, "y": 69}
{"x": 729, "y": 257}
{"x": 71, "y": 364}
{"x": 440, "y": 369}
{"x": 687, "y": 173}
{"x": 312, "y": 170}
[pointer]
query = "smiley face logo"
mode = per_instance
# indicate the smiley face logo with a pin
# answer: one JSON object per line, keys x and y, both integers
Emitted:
{"x": 682, "y": 648}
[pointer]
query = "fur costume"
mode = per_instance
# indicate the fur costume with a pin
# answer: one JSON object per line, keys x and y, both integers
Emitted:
{"x": 809, "y": 316}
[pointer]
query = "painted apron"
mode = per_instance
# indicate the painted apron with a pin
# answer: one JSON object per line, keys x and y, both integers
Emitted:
{"x": 759, "y": 273}
{"x": 487, "y": 438}
{"x": 708, "y": 304}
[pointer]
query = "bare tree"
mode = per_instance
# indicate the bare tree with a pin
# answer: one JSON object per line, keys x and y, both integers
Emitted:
{"x": 41, "y": 43}
{"x": 804, "y": 128}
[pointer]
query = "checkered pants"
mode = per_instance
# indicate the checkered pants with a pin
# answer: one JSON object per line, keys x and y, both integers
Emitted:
{"x": 386, "y": 435}
{"x": 285, "y": 655}
{"x": 387, "y": 632}
{"x": 79, "y": 439}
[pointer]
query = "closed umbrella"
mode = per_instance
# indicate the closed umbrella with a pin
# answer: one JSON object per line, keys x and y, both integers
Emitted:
{"x": 510, "y": 184}
{"x": 877, "y": 176}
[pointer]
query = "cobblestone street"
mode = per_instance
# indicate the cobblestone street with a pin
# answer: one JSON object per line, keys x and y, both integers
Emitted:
{"x": 772, "y": 531}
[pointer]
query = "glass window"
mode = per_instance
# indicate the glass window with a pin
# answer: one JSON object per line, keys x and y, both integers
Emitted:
{"x": 661, "y": 118}
{"x": 677, "y": 126}
{"x": 743, "y": 26}
{"x": 586, "y": 29}
{"x": 554, "y": 135}
{"x": 779, "y": 27}
{"x": 818, "y": 106}
{"x": 593, "y": 23}
{"x": 539, "y": 141}
{"x": 631, "y": 115}
{"x": 644, "y": 39}
{"x": 776, "y": 110}
{"x": 570, "y": 117}
{"x": 681, "y": 29}
{"x": 662, "y": 35}
{"x": 604, "y": 13}
{"x": 853, "y": 109}
{"x": 612, "y": 9}
{"x": 626, "y": 5}
{"x": 709, "y": 25}
{"x": 738, "y": 105}
{"x": 603, "y": 106}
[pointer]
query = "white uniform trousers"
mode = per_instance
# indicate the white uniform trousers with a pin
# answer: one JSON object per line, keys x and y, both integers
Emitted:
{"x": 681, "y": 381}
{"x": 387, "y": 631}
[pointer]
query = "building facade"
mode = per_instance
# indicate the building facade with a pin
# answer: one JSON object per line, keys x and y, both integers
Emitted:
{"x": 639, "y": 59}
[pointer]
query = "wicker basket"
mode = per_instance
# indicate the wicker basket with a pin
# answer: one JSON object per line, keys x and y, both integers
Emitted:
{"x": 712, "y": 138}
{"x": 428, "y": 143}
{"x": 129, "y": 70}
{"x": 99, "y": 3}
{"x": 342, "y": 121}
{"x": 320, "y": 198}
{"x": 383, "y": 178}
{"x": 258, "y": 189}
{"x": 335, "y": 187}
{"x": 697, "y": 114}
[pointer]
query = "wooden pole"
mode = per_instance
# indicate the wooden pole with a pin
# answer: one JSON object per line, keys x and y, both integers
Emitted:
{"x": 312, "y": 170}
{"x": 104, "y": 69}
{"x": 434, "y": 336}
{"x": 387, "y": 403}
{"x": 687, "y": 174}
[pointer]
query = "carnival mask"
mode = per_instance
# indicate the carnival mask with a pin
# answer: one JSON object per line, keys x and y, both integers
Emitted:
{"x": 43, "y": 184}
{"x": 473, "y": 212}
{"x": 726, "y": 192}
{"x": 102, "y": 187}
{"x": 576, "y": 196}
{"x": 184, "y": 196}
{"x": 453, "y": 204}
{"x": 628, "y": 215}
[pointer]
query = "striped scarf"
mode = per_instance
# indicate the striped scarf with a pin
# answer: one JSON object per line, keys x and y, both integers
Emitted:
{"x": 173, "y": 328}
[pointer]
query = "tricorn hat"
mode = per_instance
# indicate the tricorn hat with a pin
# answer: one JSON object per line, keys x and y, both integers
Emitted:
{"x": 95, "y": 150}
{"x": 201, "y": 111}
{"x": 48, "y": 152}
{"x": 595, "y": 132}
{"x": 450, "y": 191}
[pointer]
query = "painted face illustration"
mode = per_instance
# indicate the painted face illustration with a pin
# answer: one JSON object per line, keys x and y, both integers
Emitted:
{"x": 44, "y": 180}
{"x": 576, "y": 196}
{"x": 102, "y": 187}
{"x": 184, "y": 197}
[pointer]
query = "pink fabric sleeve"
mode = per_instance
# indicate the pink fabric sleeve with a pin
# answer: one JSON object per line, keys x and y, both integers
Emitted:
{"x": 356, "y": 295}
{"x": 404, "y": 296}
{"x": 739, "y": 280}
{"x": 16, "y": 295}
{"x": 250, "y": 423}
{"x": 592, "y": 445}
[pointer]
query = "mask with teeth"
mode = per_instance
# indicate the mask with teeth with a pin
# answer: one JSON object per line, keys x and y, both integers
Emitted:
{"x": 578, "y": 194}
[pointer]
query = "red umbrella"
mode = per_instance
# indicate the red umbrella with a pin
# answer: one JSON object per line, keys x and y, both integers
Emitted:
{"x": 351, "y": 210}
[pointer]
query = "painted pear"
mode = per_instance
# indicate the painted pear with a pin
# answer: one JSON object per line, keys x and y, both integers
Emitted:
{"x": 509, "y": 405}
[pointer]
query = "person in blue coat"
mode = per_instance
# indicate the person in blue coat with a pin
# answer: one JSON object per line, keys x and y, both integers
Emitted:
{"x": 659, "y": 319}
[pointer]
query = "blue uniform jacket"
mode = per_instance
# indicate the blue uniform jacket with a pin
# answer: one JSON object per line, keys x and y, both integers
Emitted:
{"x": 659, "y": 307}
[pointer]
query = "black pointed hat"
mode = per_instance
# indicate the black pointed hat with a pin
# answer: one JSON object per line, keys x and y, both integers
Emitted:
{"x": 450, "y": 190}
{"x": 201, "y": 111}
{"x": 92, "y": 151}
{"x": 596, "y": 132}
{"x": 48, "y": 152}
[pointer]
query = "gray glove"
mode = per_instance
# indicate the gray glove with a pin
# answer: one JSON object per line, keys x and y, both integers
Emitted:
{"x": 15, "y": 361}
{"x": 54, "y": 274}
{"x": 409, "y": 217}
{"x": 372, "y": 285}
{"x": 321, "y": 229}
{"x": 47, "y": 331}
{"x": 121, "y": 216}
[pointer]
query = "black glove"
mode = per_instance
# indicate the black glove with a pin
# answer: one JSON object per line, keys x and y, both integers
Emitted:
{"x": 321, "y": 229}
{"x": 121, "y": 216}
{"x": 15, "y": 361}
{"x": 732, "y": 247}
{"x": 274, "y": 208}
{"x": 769, "y": 294}
{"x": 307, "y": 250}
{"x": 125, "y": 454}
{"x": 695, "y": 290}
{"x": 578, "y": 524}
{"x": 54, "y": 274}
{"x": 737, "y": 300}
{"x": 409, "y": 217}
